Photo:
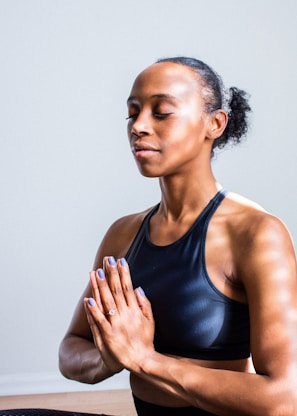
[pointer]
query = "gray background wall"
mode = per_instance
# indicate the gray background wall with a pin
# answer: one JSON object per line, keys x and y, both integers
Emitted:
{"x": 66, "y": 169}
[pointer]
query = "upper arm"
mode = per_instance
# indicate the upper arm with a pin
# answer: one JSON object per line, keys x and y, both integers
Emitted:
{"x": 268, "y": 270}
{"x": 115, "y": 243}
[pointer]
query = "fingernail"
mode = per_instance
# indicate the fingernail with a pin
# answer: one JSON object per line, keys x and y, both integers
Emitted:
{"x": 91, "y": 302}
{"x": 101, "y": 274}
{"x": 123, "y": 262}
{"x": 111, "y": 261}
{"x": 141, "y": 291}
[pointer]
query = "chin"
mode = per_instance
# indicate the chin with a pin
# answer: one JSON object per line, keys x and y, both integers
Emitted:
{"x": 148, "y": 173}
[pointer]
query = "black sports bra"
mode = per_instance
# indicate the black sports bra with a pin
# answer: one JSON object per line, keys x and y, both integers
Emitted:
{"x": 193, "y": 318}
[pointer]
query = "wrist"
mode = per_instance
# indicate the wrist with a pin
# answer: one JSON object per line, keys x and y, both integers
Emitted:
{"x": 151, "y": 364}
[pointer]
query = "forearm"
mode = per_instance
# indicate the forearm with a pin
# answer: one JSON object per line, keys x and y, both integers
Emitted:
{"x": 222, "y": 392}
{"x": 80, "y": 360}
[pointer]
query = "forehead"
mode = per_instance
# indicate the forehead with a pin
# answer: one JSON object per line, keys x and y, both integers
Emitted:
{"x": 166, "y": 78}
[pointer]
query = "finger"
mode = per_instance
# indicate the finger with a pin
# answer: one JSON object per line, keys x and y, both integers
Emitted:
{"x": 88, "y": 304}
{"x": 114, "y": 273}
{"x": 97, "y": 337}
{"x": 93, "y": 326}
{"x": 107, "y": 357}
{"x": 126, "y": 282}
{"x": 144, "y": 304}
{"x": 107, "y": 300}
{"x": 95, "y": 289}
{"x": 109, "y": 307}
{"x": 98, "y": 317}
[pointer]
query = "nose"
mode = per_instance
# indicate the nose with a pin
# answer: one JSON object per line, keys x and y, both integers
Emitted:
{"x": 141, "y": 125}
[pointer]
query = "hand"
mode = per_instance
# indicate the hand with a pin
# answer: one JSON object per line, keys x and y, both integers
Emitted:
{"x": 121, "y": 318}
{"x": 109, "y": 361}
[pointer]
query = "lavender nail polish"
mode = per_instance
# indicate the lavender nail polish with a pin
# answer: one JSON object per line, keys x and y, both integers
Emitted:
{"x": 141, "y": 291}
{"x": 111, "y": 261}
{"x": 101, "y": 274}
{"x": 123, "y": 262}
{"x": 91, "y": 302}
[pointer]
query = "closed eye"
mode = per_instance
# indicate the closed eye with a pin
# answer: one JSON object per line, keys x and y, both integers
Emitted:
{"x": 159, "y": 116}
{"x": 132, "y": 116}
{"x": 162, "y": 115}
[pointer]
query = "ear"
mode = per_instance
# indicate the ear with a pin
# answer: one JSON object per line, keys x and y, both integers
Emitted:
{"x": 217, "y": 123}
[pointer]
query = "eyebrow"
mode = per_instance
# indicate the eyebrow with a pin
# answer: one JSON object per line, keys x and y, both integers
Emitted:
{"x": 167, "y": 96}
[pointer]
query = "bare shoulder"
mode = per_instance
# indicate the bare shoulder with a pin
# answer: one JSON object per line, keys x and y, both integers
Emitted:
{"x": 264, "y": 262}
{"x": 260, "y": 240}
{"x": 120, "y": 236}
{"x": 249, "y": 220}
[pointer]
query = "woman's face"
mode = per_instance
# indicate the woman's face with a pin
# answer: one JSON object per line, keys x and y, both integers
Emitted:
{"x": 167, "y": 125}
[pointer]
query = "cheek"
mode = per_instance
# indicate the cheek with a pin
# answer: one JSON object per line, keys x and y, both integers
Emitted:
{"x": 186, "y": 129}
{"x": 186, "y": 138}
{"x": 195, "y": 128}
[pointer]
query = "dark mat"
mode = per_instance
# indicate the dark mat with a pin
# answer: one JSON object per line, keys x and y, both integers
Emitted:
{"x": 45, "y": 412}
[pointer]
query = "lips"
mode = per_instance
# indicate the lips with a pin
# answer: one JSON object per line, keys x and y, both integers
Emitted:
{"x": 143, "y": 149}
{"x": 143, "y": 146}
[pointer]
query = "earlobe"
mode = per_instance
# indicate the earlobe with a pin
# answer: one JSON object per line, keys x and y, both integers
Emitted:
{"x": 217, "y": 124}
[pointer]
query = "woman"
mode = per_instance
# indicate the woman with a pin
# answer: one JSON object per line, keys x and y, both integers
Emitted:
{"x": 196, "y": 297}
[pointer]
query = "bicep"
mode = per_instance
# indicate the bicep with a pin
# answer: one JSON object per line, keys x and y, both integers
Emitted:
{"x": 115, "y": 243}
{"x": 271, "y": 284}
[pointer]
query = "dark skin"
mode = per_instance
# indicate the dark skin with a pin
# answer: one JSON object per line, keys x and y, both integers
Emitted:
{"x": 249, "y": 257}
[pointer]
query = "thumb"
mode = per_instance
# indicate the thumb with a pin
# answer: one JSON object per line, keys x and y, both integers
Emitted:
{"x": 144, "y": 303}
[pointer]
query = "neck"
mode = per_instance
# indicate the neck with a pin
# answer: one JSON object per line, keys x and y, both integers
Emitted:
{"x": 182, "y": 195}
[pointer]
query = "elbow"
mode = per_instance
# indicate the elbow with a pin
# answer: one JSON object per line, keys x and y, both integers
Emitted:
{"x": 68, "y": 361}
{"x": 79, "y": 360}
{"x": 63, "y": 361}
{"x": 64, "y": 369}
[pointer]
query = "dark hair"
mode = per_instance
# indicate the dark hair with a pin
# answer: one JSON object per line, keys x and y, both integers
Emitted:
{"x": 233, "y": 100}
